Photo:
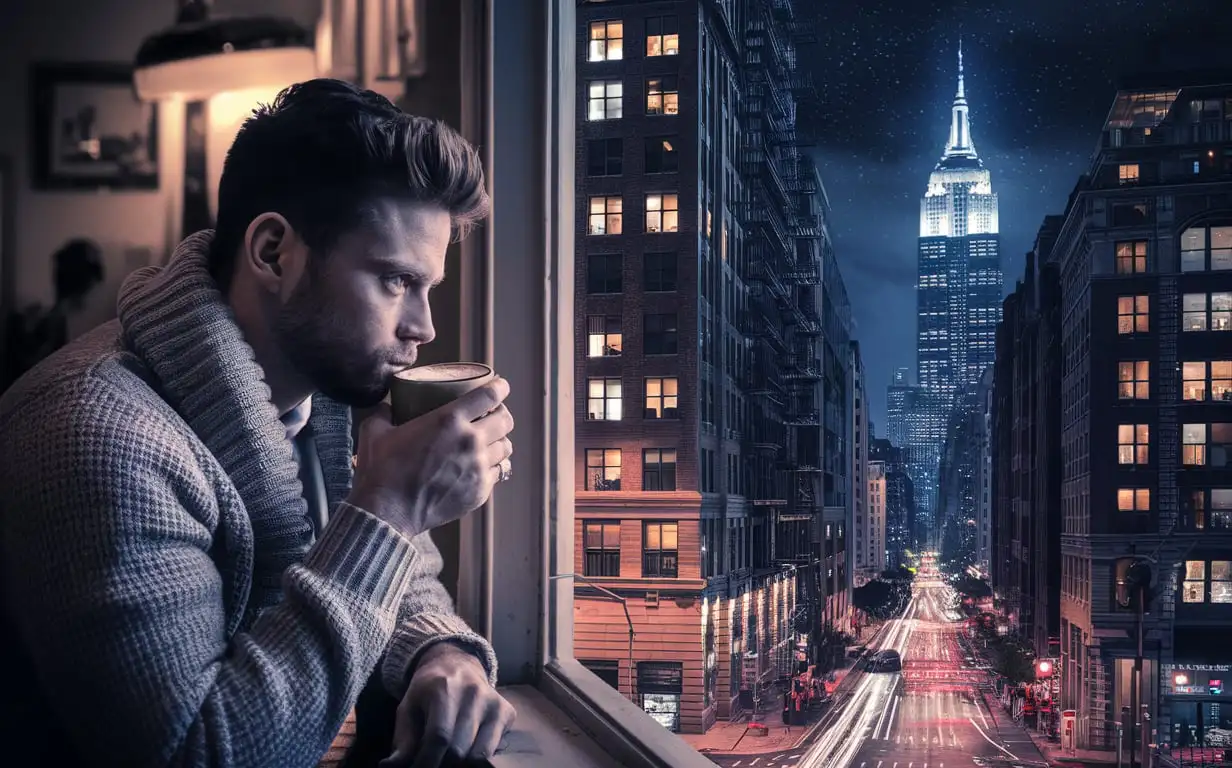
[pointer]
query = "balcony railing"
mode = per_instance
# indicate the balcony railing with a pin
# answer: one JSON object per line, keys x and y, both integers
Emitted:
{"x": 605, "y": 562}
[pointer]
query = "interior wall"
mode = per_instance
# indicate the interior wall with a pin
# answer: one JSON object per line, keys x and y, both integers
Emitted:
{"x": 132, "y": 227}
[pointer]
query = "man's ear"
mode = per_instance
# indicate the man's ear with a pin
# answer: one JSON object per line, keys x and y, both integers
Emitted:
{"x": 268, "y": 251}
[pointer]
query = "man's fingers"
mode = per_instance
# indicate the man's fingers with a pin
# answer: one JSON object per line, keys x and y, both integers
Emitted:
{"x": 477, "y": 402}
{"x": 466, "y": 726}
{"x": 495, "y": 425}
{"x": 499, "y": 451}
{"x": 497, "y": 719}
{"x": 435, "y": 739}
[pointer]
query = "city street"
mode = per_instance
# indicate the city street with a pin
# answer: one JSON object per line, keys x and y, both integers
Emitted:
{"x": 930, "y": 715}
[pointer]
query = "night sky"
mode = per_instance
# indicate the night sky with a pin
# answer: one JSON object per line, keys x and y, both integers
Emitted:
{"x": 1039, "y": 82}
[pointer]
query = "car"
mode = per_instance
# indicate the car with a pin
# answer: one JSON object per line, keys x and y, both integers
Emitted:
{"x": 886, "y": 661}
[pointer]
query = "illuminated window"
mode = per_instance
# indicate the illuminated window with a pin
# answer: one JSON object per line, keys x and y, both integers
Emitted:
{"x": 601, "y": 540}
{"x": 607, "y": 41}
{"x": 662, "y": 95}
{"x": 605, "y": 100}
{"x": 603, "y": 273}
{"x": 1221, "y": 581}
{"x": 1133, "y": 443}
{"x": 603, "y": 337}
{"x": 1193, "y": 444}
{"x": 661, "y": 155}
{"x": 660, "y": 543}
{"x": 604, "y": 157}
{"x": 1134, "y": 500}
{"x": 1134, "y": 380}
{"x": 603, "y": 399}
{"x": 1131, "y": 257}
{"x": 1128, "y": 173}
{"x": 662, "y": 213}
{"x": 1194, "y": 586}
{"x": 662, "y": 36}
{"x": 1206, "y": 312}
{"x": 1133, "y": 314}
{"x": 1200, "y": 380}
{"x": 603, "y": 469}
{"x": 606, "y": 216}
{"x": 1206, "y": 248}
{"x": 662, "y": 398}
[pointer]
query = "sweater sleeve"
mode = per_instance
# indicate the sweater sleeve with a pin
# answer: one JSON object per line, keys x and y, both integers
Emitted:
{"x": 425, "y": 617}
{"x": 107, "y": 540}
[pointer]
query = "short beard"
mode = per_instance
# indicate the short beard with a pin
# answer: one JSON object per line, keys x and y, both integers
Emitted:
{"x": 313, "y": 339}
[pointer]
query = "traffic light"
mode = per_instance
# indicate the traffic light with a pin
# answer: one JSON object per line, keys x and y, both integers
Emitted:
{"x": 1043, "y": 669}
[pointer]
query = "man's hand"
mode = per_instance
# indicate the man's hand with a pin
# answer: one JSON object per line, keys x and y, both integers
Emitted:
{"x": 450, "y": 711}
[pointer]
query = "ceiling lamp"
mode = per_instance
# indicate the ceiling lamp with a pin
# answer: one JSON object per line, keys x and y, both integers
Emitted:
{"x": 200, "y": 56}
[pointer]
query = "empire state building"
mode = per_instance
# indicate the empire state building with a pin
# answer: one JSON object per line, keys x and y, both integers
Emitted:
{"x": 959, "y": 290}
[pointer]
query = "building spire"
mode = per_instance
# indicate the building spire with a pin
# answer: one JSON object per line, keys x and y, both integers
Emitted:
{"x": 960, "y": 144}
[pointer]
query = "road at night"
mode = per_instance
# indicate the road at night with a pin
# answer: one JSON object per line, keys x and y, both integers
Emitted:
{"x": 929, "y": 715}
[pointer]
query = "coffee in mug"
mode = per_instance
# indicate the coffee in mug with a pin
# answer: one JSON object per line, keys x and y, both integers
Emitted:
{"x": 416, "y": 391}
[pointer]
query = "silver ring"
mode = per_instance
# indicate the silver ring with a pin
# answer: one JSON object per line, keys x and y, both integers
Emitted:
{"x": 506, "y": 470}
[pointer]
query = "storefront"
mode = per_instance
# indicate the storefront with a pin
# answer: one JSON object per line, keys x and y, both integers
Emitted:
{"x": 1200, "y": 706}
{"x": 660, "y": 684}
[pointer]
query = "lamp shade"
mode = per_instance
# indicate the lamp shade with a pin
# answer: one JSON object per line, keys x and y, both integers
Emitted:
{"x": 196, "y": 60}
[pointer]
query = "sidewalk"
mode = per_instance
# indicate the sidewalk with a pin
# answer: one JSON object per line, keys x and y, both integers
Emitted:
{"x": 1046, "y": 750}
{"x": 734, "y": 737}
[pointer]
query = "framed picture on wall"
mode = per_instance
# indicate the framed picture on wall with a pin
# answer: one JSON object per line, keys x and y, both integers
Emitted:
{"x": 90, "y": 131}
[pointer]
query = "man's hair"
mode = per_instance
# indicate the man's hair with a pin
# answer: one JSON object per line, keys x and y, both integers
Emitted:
{"x": 323, "y": 152}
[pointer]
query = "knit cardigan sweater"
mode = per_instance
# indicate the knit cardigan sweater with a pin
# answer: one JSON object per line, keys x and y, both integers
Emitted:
{"x": 164, "y": 602}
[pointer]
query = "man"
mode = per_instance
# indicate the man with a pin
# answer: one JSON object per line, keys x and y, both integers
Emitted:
{"x": 191, "y": 575}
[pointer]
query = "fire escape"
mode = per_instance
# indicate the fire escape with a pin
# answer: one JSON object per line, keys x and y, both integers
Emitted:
{"x": 785, "y": 274}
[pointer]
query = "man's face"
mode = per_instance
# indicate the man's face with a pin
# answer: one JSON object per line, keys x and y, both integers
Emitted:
{"x": 359, "y": 312}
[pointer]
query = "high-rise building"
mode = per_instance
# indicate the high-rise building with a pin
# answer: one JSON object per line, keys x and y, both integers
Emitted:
{"x": 909, "y": 428}
{"x": 1144, "y": 342}
{"x": 959, "y": 289}
{"x": 1026, "y": 565}
{"x": 899, "y": 504}
{"x": 861, "y": 522}
{"x": 984, "y": 506}
{"x": 712, "y": 359}
{"x": 875, "y": 529}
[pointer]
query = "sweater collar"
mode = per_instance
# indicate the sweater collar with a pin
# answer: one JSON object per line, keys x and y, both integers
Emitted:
{"x": 176, "y": 320}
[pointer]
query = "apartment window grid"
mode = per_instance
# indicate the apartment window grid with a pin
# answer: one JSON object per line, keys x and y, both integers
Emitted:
{"x": 603, "y": 399}
{"x": 662, "y": 36}
{"x": 1203, "y": 381}
{"x": 603, "y": 336}
{"x": 662, "y": 397}
{"x": 663, "y": 95}
{"x": 659, "y": 271}
{"x": 606, "y": 216}
{"x": 1128, "y": 173}
{"x": 1133, "y": 443}
{"x": 1133, "y": 314}
{"x": 1206, "y": 311}
{"x": 604, "y": 273}
{"x": 605, "y": 100}
{"x": 603, "y": 467}
{"x": 1131, "y": 257}
{"x": 607, "y": 41}
{"x": 662, "y": 213}
{"x": 1134, "y": 500}
{"x": 1134, "y": 380}
{"x": 1206, "y": 445}
{"x": 1207, "y": 248}
{"x": 659, "y": 469}
{"x": 661, "y": 155}
{"x": 660, "y": 550}
{"x": 601, "y": 541}
{"x": 1207, "y": 581}
{"x": 604, "y": 157}
{"x": 659, "y": 334}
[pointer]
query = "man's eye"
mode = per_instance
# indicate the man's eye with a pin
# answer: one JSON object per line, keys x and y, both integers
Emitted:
{"x": 398, "y": 283}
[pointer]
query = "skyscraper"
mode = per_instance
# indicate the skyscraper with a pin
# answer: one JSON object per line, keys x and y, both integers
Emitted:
{"x": 959, "y": 290}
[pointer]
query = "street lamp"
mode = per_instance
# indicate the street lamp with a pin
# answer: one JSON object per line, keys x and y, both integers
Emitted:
{"x": 1043, "y": 669}
{"x": 609, "y": 594}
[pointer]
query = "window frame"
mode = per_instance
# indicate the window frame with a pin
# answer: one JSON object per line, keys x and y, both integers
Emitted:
{"x": 606, "y": 39}
{"x": 668, "y": 86}
{"x": 607, "y": 99}
{"x": 603, "y": 550}
{"x": 524, "y": 94}
{"x": 606, "y": 144}
{"x": 1136, "y": 316}
{"x": 611, "y": 406}
{"x": 1133, "y": 258}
